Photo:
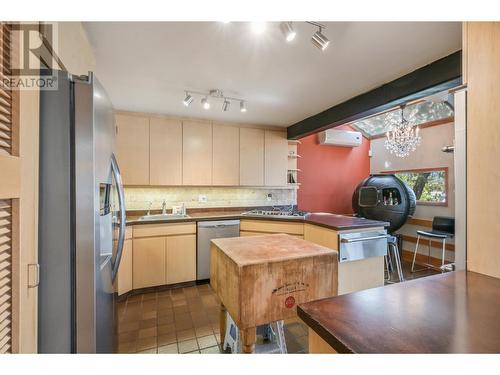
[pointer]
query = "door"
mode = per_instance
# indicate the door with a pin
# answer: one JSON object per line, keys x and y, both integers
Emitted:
{"x": 226, "y": 159}
{"x": 165, "y": 143}
{"x": 148, "y": 262}
{"x": 196, "y": 153}
{"x": 276, "y": 158}
{"x": 124, "y": 277}
{"x": 251, "y": 157}
{"x": 181, "y": 259}
{"x": 132, "y": 148}
{"x": 19, "y": 120}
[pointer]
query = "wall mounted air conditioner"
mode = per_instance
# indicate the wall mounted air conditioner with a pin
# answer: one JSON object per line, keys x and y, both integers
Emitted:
{"x": 343, "y": 138}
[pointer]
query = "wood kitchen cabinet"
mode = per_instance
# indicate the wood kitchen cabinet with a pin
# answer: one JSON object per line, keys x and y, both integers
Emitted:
{"x": 197, "y": 153}
{"x": 149, "y": 262}
{"x": 132, "y": 148}
{"x": 124, "y": 276}
{"x": 252, "y": 157}
{"x": 165, "y": 154}
{"x": 164, "y": 254}
{"x": 226, "y": 155}
{"x": 275, "y": 158}
{"x": 250, "y": 227}
{"x": 181, "y": 259}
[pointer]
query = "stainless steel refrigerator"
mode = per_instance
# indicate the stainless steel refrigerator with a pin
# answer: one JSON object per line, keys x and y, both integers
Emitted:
{"x": 81, "y": 218}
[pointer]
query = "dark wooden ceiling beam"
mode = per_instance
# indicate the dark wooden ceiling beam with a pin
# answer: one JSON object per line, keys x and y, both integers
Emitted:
{"x": 435, "y": 77}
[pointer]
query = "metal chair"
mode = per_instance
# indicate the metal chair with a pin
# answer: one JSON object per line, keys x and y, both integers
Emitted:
{"x": 442, "y": 229}
{"x": 393, "y": 253}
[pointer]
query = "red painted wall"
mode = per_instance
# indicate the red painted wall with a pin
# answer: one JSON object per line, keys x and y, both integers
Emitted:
{"x": 329, "y": 174}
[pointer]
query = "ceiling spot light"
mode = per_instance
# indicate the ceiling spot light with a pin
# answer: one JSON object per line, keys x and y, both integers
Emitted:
{"x": 225, "y": 105}
{"x": 258, "y": 27}
{"x": 319, "y": 40}
{"x": 205, "y": 104}
{"x": 288, "y": 31}
{"x": 242, "y": 107}
{"x": 188, "y": 100}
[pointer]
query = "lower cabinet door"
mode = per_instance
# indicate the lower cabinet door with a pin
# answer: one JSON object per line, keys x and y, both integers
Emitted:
{"x": 181, "y": 258}
{"x": 148, "y": 262}
{"x": 124, "y": 277}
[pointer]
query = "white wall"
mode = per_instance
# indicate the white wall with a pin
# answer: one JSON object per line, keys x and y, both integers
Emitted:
{"x": 427, "y": 155}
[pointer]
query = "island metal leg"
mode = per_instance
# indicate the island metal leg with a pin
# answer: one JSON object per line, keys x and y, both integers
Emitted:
{"x": 248, "y": 338}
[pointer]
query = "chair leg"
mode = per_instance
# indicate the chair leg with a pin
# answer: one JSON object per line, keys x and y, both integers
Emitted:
{"x": 387, "y": 267}
{"x": 443, "y": 255}
{"x": 398, "y": 263}
{"x": 415, "y": 254}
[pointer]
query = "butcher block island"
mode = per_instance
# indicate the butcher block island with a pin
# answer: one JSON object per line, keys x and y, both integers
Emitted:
{"x": 261, "y": 279}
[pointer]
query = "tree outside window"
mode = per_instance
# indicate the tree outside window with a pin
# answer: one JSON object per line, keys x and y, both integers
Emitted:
{"x": 430, "y": 185}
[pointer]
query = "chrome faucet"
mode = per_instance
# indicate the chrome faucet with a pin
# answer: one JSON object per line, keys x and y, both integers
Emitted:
{"x": 149, "y": 208}
{"x": 164, "y": 207}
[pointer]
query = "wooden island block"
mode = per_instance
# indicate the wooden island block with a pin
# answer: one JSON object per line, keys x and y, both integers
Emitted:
{"x": 261, "y": 279}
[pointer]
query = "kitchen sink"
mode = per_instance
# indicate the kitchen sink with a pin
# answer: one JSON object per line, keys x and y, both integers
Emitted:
{"x": 163, "y": 217}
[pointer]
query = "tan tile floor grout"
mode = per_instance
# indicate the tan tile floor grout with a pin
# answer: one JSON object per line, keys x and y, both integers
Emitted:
{"x": 186, "y": 320}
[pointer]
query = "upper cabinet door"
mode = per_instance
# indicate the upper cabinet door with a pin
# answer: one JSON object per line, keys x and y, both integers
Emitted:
{"x": 226, "y": 155}
{"x": 132, "y": 148}
{"x": 276, "y": 158}
{"x": 251, "y": 157}
{"x": 165, "y": 142}
{"x": 197, "y": 153}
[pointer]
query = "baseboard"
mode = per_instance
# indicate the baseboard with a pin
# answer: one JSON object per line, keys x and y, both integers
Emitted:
{"x": 422, "y": 259}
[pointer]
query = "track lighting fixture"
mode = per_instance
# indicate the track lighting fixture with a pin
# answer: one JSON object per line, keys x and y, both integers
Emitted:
{"x": 204, "y": 103}
{"x": 188, "y": 100}
{"x": 288, "y": 31}
{"x": 320, "y": 40}
{"x": 214, "y": 94}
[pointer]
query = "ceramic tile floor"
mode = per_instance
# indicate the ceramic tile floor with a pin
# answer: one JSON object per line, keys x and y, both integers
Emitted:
{"x": 184, "y": 320}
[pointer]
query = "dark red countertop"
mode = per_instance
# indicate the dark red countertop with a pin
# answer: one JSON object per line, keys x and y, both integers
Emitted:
{"x": 331, "y": 221}
{"x": 456, "y": 312}
{"x": 342, "y": 222}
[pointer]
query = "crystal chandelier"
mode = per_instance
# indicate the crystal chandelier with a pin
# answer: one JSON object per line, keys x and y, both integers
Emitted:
{"x": 402, "y": 137}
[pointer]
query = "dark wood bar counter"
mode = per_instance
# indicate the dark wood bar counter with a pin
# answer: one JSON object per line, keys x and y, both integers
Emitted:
{"x": 457, "y": 312}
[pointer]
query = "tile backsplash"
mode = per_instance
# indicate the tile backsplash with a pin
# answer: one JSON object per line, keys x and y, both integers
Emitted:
{"x": 138, "y": 198}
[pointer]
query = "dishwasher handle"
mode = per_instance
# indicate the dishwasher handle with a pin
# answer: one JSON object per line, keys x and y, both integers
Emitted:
{"x": 360, "y": 239}
{"x": 218, "y": 224}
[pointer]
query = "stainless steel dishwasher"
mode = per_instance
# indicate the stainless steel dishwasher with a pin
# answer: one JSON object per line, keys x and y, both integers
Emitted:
{"x": 208, "y": 230}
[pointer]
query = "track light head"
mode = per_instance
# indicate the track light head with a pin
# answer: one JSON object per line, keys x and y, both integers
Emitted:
{"x": 205, "y": 104}
{"x": 225, "y": 105}
{"x": 187, "y": 100}
{"x": 288, "y": 31}
{"x": 320, "y": 40}
{"x": 242, "y": 107}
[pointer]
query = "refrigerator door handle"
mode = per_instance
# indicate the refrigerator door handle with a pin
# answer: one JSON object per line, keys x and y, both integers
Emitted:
{"x": 121, "y": 201}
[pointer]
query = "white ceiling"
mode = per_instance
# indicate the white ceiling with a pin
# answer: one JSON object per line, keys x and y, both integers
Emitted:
{"x": 146, "y": 67}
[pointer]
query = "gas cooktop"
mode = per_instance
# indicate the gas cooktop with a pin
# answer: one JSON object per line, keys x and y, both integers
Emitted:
{"x": 277, "y": 212}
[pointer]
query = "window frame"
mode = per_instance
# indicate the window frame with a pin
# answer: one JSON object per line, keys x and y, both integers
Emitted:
{"x": 434, "y": 169}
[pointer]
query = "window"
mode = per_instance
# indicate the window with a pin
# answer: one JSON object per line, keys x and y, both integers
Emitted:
{"x": 430, "y": 185}
{"x": 422, "y": 113}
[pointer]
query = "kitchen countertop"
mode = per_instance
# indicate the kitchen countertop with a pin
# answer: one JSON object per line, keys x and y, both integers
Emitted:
{"x": 270, "y": 248}
{"x": 331, "y": 221}
{"x": 455, "y": 312}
